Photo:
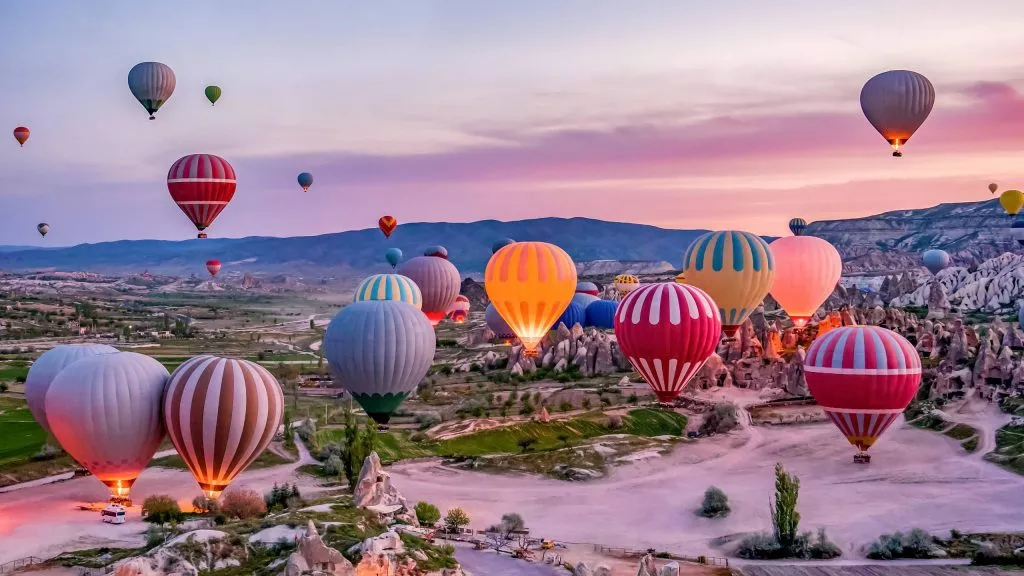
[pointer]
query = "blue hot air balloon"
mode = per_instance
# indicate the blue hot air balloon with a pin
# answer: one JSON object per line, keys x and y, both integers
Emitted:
{"x": 498, "y": 245}
{"x": 379, "y": 350}
{"x": 497, "y": 324}
{"x": 584, "y": 299}
{"x": 935, "y": 260}
{"x": 437, "y": 251}
{"x": 574, "y": 314}
{"x": 601, "y": 314}
{"x": 393, "y": 256}
{"x": 305, "y": 180}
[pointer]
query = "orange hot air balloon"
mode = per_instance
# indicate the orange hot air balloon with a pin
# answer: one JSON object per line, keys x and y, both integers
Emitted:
{"x": 530, "y": 285}
{"x": 387, "y": 225}
{"x": 806, "y": 271}
{"x": 21, "y": 135}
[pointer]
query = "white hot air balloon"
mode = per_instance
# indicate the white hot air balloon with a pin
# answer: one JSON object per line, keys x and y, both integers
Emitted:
{"x": 105, "y": 411}
{"x": 46, "y": 368}
{"x": 152, "y": 84}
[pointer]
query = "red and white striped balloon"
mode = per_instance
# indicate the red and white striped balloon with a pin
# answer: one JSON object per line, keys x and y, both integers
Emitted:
{"x": 667, "y": 331}
{"x": 201, "y": 185}
{"x": 863, "y": 377}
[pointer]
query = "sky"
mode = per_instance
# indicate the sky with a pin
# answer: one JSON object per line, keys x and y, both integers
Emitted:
{"x": 728, "y": 114}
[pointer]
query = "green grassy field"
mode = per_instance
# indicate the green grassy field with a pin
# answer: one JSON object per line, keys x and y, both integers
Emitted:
{"x": 265, "y": 460}
{"x": 13, "y": 373}
{"x": 1009, "y": 451}
{"x": 21, "y": 436}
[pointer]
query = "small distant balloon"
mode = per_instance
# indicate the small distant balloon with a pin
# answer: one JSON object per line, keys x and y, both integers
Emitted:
{"x": 212, "y": 94}
{"x": 213, "y": 267}
{"x": 43, "y": 228}
{"x": 501, "y": 244}
{"x": 993, "y": 187}
{"x": 935, "y": 260}
{"x": 797, "y": 226}
{"x": 387, "y": 225}
{"x": 21, "y": 135}
{"x": 305, "y": 180}
{"x": 1012, "y": 201}
{"x": 393, "y": 256}
{"x": 152, "y": 84}
{"x": 437, "y": 251}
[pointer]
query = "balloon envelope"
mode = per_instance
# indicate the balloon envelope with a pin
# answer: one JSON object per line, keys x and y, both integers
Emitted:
{"x": 393, "y": 256}
{"x": 221, "y": 414}
{"x": 601, "y": 314}
{"x": 499, "y": 244}
{"x": 21, "y": 134}
{"x": 530, "y": 283}
{"x": 212, "y": 94}
{"x": 439, "y": 282}
{"x": 584, "y": 299}
{"x": 806, "y": 272}
{"x": 667, "y": 331}
{"x": 389, "y": 287}
{"x": 935, "y": 260}
{"x": 626, "y": 283}
{"x": 574, "y": 314}
{"x": 379, "y": 351}
{"x": 46, "y": 368}
{"x": 863, "y": 377}
{"x": 213, "y": 266}
{"x": 305, "y": 180}
{"x": 736, "y": 268}
{"x": 43, "y": 228}
{"x": 497, "y": 324}
{"x": 1012, "y": 201}
{"x": 896, "y": 103}
{"x": 797, "y": 226}
{"x": 993, "y": 187}
{"x": 201, "y": 185}
{"x": 436, "y": 250}
{"x": 105, "y": 411}
{"x": 387, "y": 225}
{"x": 587, "y": 288}
{"x": 152, "y": 84}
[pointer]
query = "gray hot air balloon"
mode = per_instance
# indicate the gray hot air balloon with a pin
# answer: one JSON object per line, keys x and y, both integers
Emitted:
{"x": 152, "y": 84}
{"x": 46, "y": 368}
{"x": 105, "y": 411}
{"x": 584, "y": 299}
{"x": 935, "y": 260}
{"x": 439, "y": 282}
{"x": 43, "y": 229}
{"x": 497, "y": 324}
{"x": 379, "y": 350}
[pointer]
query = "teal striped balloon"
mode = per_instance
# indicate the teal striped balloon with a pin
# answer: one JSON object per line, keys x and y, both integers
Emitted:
{"x": 390, "y": 287}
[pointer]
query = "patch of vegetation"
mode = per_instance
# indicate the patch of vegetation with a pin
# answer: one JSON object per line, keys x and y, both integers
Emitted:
{"x": 1013, "y": 405}
{"x": 438, "y": 557}
{"x": 1009, "y": 452}
{"x": 427, "y": 514}
{"x": 267, "y": 459}
{"x": 961, "y": 432}
{"x": 916, "y": 544}
{"x": 161, "y": 509}
{"x": 715, "y": 504}
{"x": 970, "y": 445}
{"x": 22, "y": 437}
{"x": 720, "y": 420}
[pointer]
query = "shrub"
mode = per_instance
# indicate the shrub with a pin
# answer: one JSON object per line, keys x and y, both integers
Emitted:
{"x": 614, "y": 422}
{"x": 526, "y": 443}
{"x": 161, "y": 508}
{"x": 204, "y": 505}
{"x": 427, "y": 514}
{"x": 720, "y": 420}
{"x": 715, "y": 504}
{"x": 564, "y": 406}
{"x": 762, "y": 545}
{"x": 155, "y": 536}
{"x": 243, "y": 503}
{"x": 823, "y": 548}
{"x": 914, "y": 544}
{"x": 333, "y": 466}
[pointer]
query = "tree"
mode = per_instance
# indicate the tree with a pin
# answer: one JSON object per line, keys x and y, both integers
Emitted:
{"x": 526, "y": 443}
{"x": 785, "y": 518}
{"x": 243, "y": 503}
{"x": 716, "y": 503}
{"x": 161, "y": 508}
{"x": 126, "y": 333}
{"x": 564, "y": 439}
{"x": 204, "y": 505}
{"x": 721, "y": 419}
{"x": 503, "y": 532}
{"x": 427, "y": 514}
{"x": 455, "y": 520}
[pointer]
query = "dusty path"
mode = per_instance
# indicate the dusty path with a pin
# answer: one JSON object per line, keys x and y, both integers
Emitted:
{"x": 916, "y": 479}
{"x": 480, "y": 563}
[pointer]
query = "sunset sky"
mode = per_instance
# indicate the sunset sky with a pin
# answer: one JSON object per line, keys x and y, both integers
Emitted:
{"x": 737, "y": 114}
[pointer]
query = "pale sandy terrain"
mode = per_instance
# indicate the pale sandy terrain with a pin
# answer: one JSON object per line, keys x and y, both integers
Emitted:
{"x": 917, "y": 479}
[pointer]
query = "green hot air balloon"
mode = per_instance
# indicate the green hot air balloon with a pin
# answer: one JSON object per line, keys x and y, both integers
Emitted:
{"x": 379, "y": 350}
{"x": 213, "y": 94}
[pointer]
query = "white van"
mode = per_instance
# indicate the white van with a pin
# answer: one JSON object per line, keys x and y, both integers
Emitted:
{"x": 113, "y": 514}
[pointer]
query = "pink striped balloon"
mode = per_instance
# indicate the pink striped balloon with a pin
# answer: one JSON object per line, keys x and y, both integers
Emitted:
{"x": 667, "y": 331}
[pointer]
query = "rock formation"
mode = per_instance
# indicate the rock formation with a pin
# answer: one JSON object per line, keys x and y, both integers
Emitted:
{"x": 374, "y": 489}
{"x": 315, "y": 556}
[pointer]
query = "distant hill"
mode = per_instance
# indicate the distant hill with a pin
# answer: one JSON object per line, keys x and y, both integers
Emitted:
{"x": 343, "y": 253}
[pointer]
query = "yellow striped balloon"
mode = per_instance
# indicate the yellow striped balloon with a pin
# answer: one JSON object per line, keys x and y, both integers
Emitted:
{"x": 389, "y": 287}
{"x": 530, "y": 285}
{"x": 736, "y": 268}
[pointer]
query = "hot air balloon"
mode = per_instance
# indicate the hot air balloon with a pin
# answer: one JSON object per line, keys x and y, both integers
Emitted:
{"x": 807, "y": 270}
{"x": 305, "y": 180}
{"x": 1012, "y": 201}
{"x": 601, "y": 314}
{"x": 667, "y": 331}
{"x": 896, "y": 103}
{"x": 797, "y": 226}
{"x": 43, "y": 228}
{"x": 393, "y": 256}
{"x": 212, "y": 94}
{"x": 387, "y": 225}
{"x": 863, "y": 377}
{"x": 379, "y": 351}
{"x": 389, "y": 287}
{"x": 572, "y": 315}
{"x": 530, "y": 283}
{"x": 152, "y": 84}
{"x": 587, "y": 288}
{"x": 626, "y": 283}
{"x": 681, "y": 278}
{"x": 499, "y": 244}
{"x": 993, "y": 187}
{"x": 436, "y": 250}
{"x": 46, "y": 368}
{"x": 201, "y": 185}
{"x": 1017, "y": 231}
{"x": 584, "y": 300}
{"x": 935, "y": 260}
{"x": 221, "y": 413}
{"x": 497, "y": 324}
{"x": 735, "y": 268}
{"x": 459, "y": 310}
{"x": 439, "y": 282}
{"x": 213, "y": 266}
{"x": 105, "y": 411}
{"x": 21, "y": 135}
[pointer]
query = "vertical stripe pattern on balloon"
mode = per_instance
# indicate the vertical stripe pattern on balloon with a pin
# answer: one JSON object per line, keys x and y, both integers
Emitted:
{"x": 389, "y": 287}
{"x": 735, "y": 268}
